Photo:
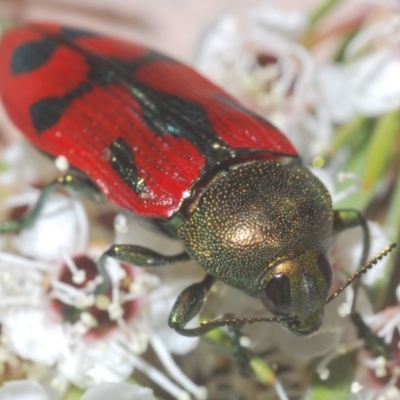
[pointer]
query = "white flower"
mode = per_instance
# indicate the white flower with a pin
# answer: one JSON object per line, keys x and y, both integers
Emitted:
{"x": 366, "y": 82}
{"x": 31, "y": 390}
{"x": 368, "y": 86}
{"x": 120, "y": 391}
{"x": 51, "y": 314}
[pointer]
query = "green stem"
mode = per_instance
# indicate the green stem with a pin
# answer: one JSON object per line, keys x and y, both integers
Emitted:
{"x": 321, "y": 11}
{"x": 380, "y": 148}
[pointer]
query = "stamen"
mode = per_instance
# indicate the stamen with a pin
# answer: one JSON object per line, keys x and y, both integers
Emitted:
{"x": 88, "y": 320}
{"x": 121, "y": 224}
{"x": 18, "y": 301}
{"x": 168, "y": 362}
{"x": 66, "y": 293}
{"x": 125, "y": 329}
{"x": 380, "y": 366}
{"x": 155, "y": 375}
{"x": 78, "y": 275}
{"x": 85, "y": 301}
{"x": 102, "y": 302}
{"x": 115, "y": 309}
{"x": 344, "y": 310}
{"x": 355, "y": 387}
{"x": 22, "y": 262}
{"x": 280, "y": 391}
{"x": 324, "y": 373}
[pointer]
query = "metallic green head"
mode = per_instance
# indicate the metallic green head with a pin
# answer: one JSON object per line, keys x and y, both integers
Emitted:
{"x": 264, "y": 228}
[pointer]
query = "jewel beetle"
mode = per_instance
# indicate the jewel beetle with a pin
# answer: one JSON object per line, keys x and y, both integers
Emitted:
{"x": 153, "y": 136}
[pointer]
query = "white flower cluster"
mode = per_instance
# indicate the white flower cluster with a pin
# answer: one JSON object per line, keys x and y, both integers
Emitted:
{"x": 55, "y": 328}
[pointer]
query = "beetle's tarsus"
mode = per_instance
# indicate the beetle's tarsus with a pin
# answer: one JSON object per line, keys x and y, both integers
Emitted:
{"x": 373, "y": 342}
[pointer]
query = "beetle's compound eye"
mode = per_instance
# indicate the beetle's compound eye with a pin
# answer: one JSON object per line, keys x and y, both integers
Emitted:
{"x": 276, "y": 296}
{"x": 326, "y": 269}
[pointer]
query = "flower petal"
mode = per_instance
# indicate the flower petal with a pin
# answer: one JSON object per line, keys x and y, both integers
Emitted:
{"x": 120, "y": 391}
{"x": 23, "y": 390}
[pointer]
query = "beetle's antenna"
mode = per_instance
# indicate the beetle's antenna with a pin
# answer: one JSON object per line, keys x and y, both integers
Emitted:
{"x": 363, "y": 270}
{"x": 213, "y": 323}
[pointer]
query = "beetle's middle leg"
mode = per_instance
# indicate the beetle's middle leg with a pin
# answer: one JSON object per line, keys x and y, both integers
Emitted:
{"x": 350, "y": 218}
{"x": 74, "y": 181}
{"x": 345, "y": 219}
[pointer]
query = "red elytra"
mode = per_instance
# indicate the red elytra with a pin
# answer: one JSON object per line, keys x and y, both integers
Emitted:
{"x": 145, "y": 128}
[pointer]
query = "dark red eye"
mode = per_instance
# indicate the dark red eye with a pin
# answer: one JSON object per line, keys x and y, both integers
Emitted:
{"x": 276, "y": 296}
{"x": 326, "y": 269}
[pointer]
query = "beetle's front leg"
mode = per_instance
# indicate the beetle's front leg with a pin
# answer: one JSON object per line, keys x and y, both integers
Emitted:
{"x": 189, "y": 302}
{"x": 75, "y": 182}
{"x": 188, "y": 305}
{"x": 349, "y": 218}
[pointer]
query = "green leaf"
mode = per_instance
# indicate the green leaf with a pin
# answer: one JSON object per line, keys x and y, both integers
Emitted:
{"x": 352, "y": 134}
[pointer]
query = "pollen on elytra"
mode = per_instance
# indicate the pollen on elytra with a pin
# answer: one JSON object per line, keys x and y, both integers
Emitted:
{"x": 61, "y": 163}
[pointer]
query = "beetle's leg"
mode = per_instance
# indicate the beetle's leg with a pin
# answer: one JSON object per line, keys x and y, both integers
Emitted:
{"x": 240, "y": 354}
{"x": 188, "y": 305}
{"x": 344, "y": 219}
{"x": 189, "y": 302}
{"x": 349, "y": 218}
{"x": 75, "y": 182}
{"x": 375, "y": 344}
{"x": 138, "y": 256}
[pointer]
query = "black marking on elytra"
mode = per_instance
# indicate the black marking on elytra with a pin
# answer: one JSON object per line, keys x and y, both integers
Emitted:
{"x": 123, "y": 162}
{"x": 166, "y": 114}
{"x": 163, "y": 113}
{"x": 70, "y": 34}
{"x": 32, "y": 55}
{"x": 47, "y": 112}
{"x": 150, "y": 57}
{"x": 109, "y": 71}
{"x": 101, "y": 73}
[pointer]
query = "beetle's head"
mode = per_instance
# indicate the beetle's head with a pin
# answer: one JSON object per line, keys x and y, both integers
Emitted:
{"x": 264, "y": 228}
{"x": 296, "y": 290}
